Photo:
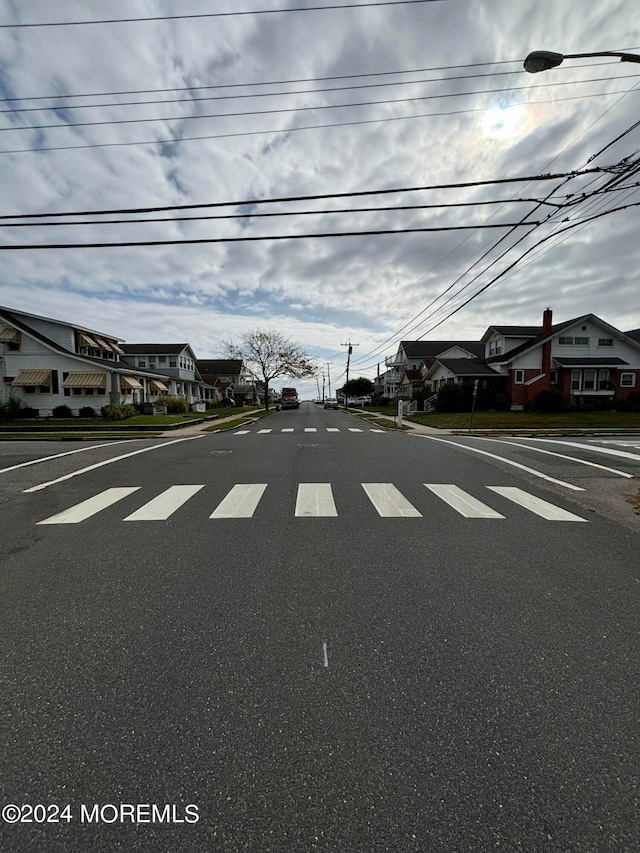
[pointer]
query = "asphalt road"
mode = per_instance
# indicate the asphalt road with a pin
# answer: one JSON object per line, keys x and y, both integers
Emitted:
{"x": 402, "y": 655}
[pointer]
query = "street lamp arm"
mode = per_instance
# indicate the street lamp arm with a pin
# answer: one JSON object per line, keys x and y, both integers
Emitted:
{"x": 543, "y": 60}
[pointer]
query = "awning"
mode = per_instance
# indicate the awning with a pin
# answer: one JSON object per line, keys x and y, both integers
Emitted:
{"x": 103, "y": 344}
{"x": 85, "y": 339}
{"x": 84, "y": 379}
{"x": 131, "y": 381}
{"x": 114, "y": 346}
{"x": 159, "y": 386}
{"x": 615, "y": 361}
{"x": 9, "y": 334}
{"x": 33, "y": 377}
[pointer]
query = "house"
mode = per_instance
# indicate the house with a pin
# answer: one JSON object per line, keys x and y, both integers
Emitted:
{"x": 420, "y": 355}
{"x": 48, "y": 363}
{"x": 459, "y": 370}
{"x": 223, "y": 375}
{"x": 178, "y": 363}
{"x": 583, "y": 357}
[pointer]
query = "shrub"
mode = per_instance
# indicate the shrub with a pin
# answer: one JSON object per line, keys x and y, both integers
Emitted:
{"x": 175, "y": 405}
{"x": 548, "y": 401}
{"x": 87, "y": 412}
{"x": 118, "y": 411}
{"x": 27, "y": 412}
{"x": 62, "y": 412}
{"x": 454, "y": 397}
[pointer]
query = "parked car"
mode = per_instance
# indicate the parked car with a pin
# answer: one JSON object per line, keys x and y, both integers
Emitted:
{"x": 359, "y": 401}
{"x": 330, "y": 403}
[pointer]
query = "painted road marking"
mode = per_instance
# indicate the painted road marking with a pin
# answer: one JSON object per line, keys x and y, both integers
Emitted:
{"x": 242, "y": 432}
{"x": 165, "y": 504}
{"x": 59, "y": 455}
{"x": 287, "y": 429}
{"x": 354, "y": 429}
{"x": 315, "y": 499}
{"x": 90, "y": 507}
{"x": 622, "y": 454}
{"x": 333, "y": 429}
{"x": 542, "y": 508}
{"x": 310, "y": 429}
{"x": 462, "y": 502}
{"x": 241, "y": 502}
{"x": 559, "y": 455}
{"x": 261, "y": 431}
{"x": 389, "y": 502}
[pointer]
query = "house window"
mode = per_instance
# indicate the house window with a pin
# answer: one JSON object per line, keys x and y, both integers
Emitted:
{"x": 605, "y": 342}
{"x": 627, "y": 380}
{"x": 581, "y": 341}
{"x": 565, "y": 341}
{"x": 589, "y": 380}
{"x": 519, "y": 377}
{"x": 173, "y": 362}
{"x": 37, "y": 389}
{"x": 576, "y": 380}
{"x": 553, "y": 377}
{"x": 603, "y": 380}
{"x": 162, "y": 359}
{"x": 142, "y": 362}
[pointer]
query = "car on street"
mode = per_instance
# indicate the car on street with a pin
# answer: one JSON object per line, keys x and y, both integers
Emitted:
{"x": 330, "y": 403}
{"x": 359, "y": 401}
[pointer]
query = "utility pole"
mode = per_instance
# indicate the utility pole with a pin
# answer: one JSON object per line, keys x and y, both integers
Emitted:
{"x": 349, "y": 351}
{"x": 329, "y": 378}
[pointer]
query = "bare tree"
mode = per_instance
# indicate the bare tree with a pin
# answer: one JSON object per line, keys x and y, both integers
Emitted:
{"x": 268, "y": 355}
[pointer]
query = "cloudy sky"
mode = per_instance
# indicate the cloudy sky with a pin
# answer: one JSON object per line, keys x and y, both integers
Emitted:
{"x": 342, "y": 103}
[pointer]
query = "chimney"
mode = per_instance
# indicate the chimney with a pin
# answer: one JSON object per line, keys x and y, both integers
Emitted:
{"x": 547, "y": 317}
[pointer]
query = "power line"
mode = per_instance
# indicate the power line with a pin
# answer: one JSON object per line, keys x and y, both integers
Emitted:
{"x": 221, "y": 14}
{"x": 289, "y": 130}
{"x": 317, "y": 197}
{"x": 280, "y": 111}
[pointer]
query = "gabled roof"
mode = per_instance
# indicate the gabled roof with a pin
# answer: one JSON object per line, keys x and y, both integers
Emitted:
{"x": 232, "y": 366}
{"x": 467, "y": 367}
{"x": 16, "y": 313}
{"x": 513, "y": 331}
{"x": 538, "y": 340}
{"x": 413, "y": 375}
{"x": 154, "y": 349}
{"x": 635, "y": 334}
{"x": 431, "y": 349}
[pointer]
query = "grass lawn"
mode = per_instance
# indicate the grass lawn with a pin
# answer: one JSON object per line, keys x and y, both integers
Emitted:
{"x": 137, "y": 420}
{"x": 530, "y": 420}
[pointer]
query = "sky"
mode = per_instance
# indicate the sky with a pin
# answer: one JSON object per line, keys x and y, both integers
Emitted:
{"x": 240, "y": 111}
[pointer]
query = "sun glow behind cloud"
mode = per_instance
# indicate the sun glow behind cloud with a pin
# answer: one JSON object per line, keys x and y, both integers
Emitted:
{"x": 508, "y": 123}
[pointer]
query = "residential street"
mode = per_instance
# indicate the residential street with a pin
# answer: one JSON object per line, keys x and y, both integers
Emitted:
{"x": 325, "y": 636}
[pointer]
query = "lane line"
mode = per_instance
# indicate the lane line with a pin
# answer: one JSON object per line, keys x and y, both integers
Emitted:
{"x": 108, "y": 462}
{"x": 354, "y": 429}
{"x": 462, "y": 502}
{"x": 333, "y": 429}
{"x": 287, "y": 429}
{"x": 506, "y": 462}
{"x": 325, "y": 655}
{"x": 606, "y": 450}
{"x": 315, "y": 499}
{"x": 90, "y": 507}
{"x": 261, "y": 431}
{"x": 241, "y": 502}
{"x": 310, "y": 429}
{"x": 559, "y": 455}
{"x": 165, "y": 504}
{"x": 389, "y": 501}
{"x": 59, "y": 455}
{"x": 542, "y": 508}
{"x": 242, "y": 432}
{"x": 377, "y": 430}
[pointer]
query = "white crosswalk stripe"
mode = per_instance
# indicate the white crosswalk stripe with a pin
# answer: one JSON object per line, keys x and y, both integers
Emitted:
{"x": 389, "y": 502}
{"x": 308, "y": 429}
{"x": 90, "y": 507}
{"x": 160, "y": 508}
{"x": 241, "y": 502}
{"x": 313, "y": 500}
{"x": 462, "y": 502}
{"x": 542, "y": 508}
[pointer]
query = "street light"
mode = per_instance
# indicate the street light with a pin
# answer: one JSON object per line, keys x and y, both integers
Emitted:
{"x": 543, "y": 60}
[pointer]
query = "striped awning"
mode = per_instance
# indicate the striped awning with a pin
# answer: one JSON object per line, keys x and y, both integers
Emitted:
{"x": 33, "y": 377}
{"x": 85, "y": 379}
{"x": 131, "y": 381}
{"x": 9, "y": 334}
{"x": 159, "y": 386}
{"x": 103, "y": 344}
{"x": 85, "y": 339}
{"x": 114, "y": 346}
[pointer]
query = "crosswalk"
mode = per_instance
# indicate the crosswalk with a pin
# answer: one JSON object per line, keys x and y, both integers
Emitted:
{"x": 316, "y": 500}
{"x": 307, "y": 430}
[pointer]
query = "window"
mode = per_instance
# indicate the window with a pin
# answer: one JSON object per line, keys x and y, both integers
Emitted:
{"x": 37, "y": 389}
{"x": 142, "y": 362}
{"x": 589, "y": 380}
{"x": 173, "y": 362}
{"x": 627, "y": 380}
{"x": 603, "y": 380}
{"x": 162, "y": 359}
{"x": 565, "y": 341}
{"x": 581, "y": 341}
{"x": 576, "y": 380}
{"x": 553, "y": 377}
{"x": 519, "y": 377}
{"x": 605, "y": 342}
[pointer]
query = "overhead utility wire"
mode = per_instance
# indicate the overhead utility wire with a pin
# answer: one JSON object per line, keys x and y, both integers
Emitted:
{"x": 220, "y": 14}
{"x": 282, "y": 110}
{"x": 317, "y": 197}
{"x": 517, "y": 62}
{"x": 289, "y": 130}
{"x": 322, "y": 212}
